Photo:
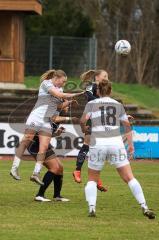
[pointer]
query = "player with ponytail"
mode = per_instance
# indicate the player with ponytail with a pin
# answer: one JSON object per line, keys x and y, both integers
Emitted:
{"x": 91, "y": 79}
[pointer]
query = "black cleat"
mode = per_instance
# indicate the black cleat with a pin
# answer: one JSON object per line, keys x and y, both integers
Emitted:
{"x": 149, "y": 213}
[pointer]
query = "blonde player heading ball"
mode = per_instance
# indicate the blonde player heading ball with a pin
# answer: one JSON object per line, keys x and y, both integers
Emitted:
{"x": 106, "y": 115}
{"x": 49, "y": 97}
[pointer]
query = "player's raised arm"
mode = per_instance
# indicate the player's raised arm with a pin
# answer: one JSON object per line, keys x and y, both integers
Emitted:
{"x": 85, "y": 117}
{"x": 56, "y": 93}
{"x": 66, "y": 103}
{"x": 83, "y": 121}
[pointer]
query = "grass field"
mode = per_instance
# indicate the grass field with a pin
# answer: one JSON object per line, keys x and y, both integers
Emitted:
{"x": 118, "y": 215}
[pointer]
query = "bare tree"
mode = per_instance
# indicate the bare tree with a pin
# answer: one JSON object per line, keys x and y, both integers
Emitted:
{"x": 142, "y": 29}
{"x": 133, "y": 20}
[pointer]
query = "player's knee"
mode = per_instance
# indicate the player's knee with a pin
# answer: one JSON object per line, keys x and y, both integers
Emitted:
{"x": 26, "y": 141}
{"x": 27, "y": 138}
{"x": 127, "y": 178}
{"x": 58, "y": 169}
{"x": 43, "y": 148}
{"x": 55, "y": 167}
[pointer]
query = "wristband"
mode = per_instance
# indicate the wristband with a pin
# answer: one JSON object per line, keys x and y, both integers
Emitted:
{"x": 67, "y": 119}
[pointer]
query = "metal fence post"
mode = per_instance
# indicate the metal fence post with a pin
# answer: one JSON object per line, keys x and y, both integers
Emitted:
{"x": 90, "y": 53}
{"x": 51, "y": 53}
{"x": 95, "y": 52}
{"x": 71, "y": 54}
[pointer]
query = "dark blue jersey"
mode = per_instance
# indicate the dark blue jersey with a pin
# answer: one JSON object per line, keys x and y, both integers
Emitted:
{"x": 91, "y": 92}
{"x": 54, "y": 127}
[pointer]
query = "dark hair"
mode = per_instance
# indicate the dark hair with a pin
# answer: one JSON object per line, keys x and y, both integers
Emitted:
{"x": 105, "y": 87}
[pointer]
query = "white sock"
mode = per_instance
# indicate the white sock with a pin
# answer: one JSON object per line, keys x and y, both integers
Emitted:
{"x": 16, "y": 163}
{"x": 37, "y": 168}
{"x": 136, "y": 190}
{"x": 91, "y": 194}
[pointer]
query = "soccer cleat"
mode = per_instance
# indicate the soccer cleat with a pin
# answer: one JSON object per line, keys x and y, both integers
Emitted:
{"x": 41, "y": 199}
{"x": 77, "y": 176}
{"x": 61, "y": 199}
{"x": 35, "y": 178}
{"x": 92, "y": 214}
{"x": 149, "y": 213}
{"x": 101, "y": 187}
{"x": 14, "y": 174}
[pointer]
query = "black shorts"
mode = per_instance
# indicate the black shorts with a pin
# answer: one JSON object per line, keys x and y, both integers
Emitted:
{"x": 33, "y": 149}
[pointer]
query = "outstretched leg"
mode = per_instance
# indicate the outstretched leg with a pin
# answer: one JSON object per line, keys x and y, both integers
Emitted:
{"x": 44, "y": 140}
{"x": 54, "y": 174}
{"x": 91, "y": 191}
{"x": 28, "y": 137}
{"x": 47, "y": 179}
{"x": 79, "y": 163}
{"x": 126, "y": 174}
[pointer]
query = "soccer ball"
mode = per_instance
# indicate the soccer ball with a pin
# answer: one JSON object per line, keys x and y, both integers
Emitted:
{"x": 122, "y": 47}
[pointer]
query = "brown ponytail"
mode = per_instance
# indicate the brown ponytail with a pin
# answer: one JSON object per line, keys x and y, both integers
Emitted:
{"x": 87, "y": 76}
{"x": 105, "y": 88}
{"x": 90, "y": 75}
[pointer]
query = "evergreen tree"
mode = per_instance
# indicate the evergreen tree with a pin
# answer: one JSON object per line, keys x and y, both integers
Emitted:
{"x": 60, "y": 18}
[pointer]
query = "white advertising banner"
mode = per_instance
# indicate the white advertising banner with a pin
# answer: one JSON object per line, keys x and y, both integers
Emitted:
{"x": 68, "y": 144}
{"x": 146, "y": 140}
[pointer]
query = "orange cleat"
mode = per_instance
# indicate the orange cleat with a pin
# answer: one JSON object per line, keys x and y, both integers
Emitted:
{"x": 77, "y": 176}
{"x": 101, "y": 187}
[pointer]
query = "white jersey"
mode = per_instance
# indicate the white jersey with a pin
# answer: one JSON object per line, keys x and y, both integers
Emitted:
{"x": 106, "y": 141}
{"x": 105, "y": 114}
{"x": 46, "y": 105}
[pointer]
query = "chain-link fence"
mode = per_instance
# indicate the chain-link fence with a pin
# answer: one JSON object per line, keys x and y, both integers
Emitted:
{"x": 73, "y": 55}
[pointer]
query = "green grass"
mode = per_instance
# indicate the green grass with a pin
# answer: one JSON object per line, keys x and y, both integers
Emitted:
{"x": 32, "y": 82}
{"x": 118, "y": 215}
{"x": 141, "y": 95}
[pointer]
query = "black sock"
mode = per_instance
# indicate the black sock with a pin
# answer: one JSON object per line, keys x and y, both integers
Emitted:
{"x": 47, "y": 179}
{"x": 58, "y": 180}
{"x": 81, "y": 156}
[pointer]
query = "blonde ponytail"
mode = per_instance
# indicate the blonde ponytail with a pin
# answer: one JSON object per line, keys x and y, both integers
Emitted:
{"x": 52, "y": 73}
{"x": 47, "y": 75}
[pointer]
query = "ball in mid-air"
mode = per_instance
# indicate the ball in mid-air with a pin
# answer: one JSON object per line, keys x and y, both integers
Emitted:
{"x": 122, "y": 47}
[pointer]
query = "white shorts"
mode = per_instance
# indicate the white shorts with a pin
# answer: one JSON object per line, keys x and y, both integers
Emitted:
{"x": 116, "y": 155}
{"x": 38, "y": 124}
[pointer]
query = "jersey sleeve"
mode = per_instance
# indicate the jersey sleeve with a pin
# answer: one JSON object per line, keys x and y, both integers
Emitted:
{"x": 123, "y": 116}
{"x": 89, "y": 96}
{"x": 47, "y": 85}
{"x": 88, "y": 109}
